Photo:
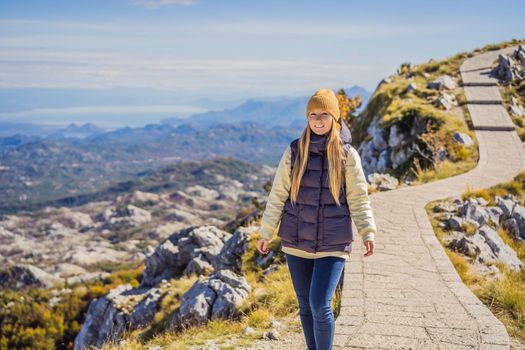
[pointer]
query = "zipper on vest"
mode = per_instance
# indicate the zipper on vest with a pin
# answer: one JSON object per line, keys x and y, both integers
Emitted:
{"x": 319, "y": 204}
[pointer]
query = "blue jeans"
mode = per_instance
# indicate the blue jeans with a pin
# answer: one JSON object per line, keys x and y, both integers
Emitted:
{"x": 314, "y": 282}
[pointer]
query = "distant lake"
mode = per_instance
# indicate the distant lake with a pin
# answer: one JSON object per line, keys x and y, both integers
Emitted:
{"x": 103, "y": 116}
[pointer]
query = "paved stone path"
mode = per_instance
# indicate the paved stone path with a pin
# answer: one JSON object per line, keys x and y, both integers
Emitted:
{"x": 408, "y": 294}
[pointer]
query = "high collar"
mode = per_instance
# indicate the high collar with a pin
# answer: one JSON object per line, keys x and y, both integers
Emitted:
{"x": 345, "y": 134}
{"x": 318, "y": 138}
{"x": 318, "y": 142}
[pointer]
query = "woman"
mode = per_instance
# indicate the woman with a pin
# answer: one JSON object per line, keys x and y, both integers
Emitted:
{"x": 318, "y": 188}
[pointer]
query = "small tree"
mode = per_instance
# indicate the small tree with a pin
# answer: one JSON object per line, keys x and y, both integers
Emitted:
{"x": 348, "y": 106}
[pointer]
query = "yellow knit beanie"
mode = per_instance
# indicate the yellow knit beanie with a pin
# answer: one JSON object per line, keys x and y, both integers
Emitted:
{"x": 326, "y": 100}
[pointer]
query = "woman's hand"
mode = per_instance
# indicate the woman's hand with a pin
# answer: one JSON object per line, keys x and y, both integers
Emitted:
{"x": 369, "y": 248}
{"x": 262, "y": 246}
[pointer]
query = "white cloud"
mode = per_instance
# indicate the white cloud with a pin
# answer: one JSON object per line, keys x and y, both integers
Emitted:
{"x": 20, "y": 67}
{"x": 330, "y": 29}
{"x": 271, "y": 28}
{"x": 46, "y": 25}
{"x": 155, "y": 4}
{"x": 104, "y": 110}
{"x": 254, "y": 55}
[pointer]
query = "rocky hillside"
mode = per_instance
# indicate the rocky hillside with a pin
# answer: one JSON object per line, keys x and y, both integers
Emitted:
{"x": 75, "y": 244}
{"x": 194, "y": 275}
{"x": 415, "y": 129}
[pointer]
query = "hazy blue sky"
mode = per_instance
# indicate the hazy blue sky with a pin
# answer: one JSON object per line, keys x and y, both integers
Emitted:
{"x": 231, "y": 50}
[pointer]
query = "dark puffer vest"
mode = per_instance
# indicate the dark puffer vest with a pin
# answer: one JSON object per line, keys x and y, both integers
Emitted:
{"x": 316, "y": 223}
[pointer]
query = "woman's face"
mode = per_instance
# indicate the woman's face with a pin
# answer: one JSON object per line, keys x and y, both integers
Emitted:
{"x": 320, "y": 121}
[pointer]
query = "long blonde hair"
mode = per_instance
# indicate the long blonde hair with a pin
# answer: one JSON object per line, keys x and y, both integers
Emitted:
{"x": 335, "y": 153}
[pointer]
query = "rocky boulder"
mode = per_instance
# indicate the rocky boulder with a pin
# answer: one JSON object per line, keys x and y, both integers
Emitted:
{"x": 123, "y": 308}
{"x": 220, "y": 294}
{"x": 390, "y": 147}
{"x": 443, "y": 82}
{"x": 139, "y": 197}
{"x": 24, "y": 275}
{"x": 127, "y": 215}
{"x": 516, "y": 108}
{"x": 485, "y": 246}
{"x": 462, "y": 138}
{"x": 75, "y": 220}
{"x": 513, "y": 216}
{"x": 445, "y": 101}
{"x": 475, "y": 212}
{"x": 190, "y": 250}
{"x": 510, "y": 69}
{"x": 383, "y": 182}
{"x": 501, "y": 250}
{"x": 230, "y": 255}
{"x": 211, "y": 298}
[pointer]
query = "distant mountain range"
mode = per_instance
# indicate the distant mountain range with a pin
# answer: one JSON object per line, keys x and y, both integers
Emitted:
{"x": 77, "y": 131}
{"x": 267, "y": 111}
{"x": 281, "y": 112}
{"x": 83, "y": 159}
{"x": 50, "y": 169}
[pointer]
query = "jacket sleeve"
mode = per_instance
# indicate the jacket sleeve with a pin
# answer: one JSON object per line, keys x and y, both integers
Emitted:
{"x": 278, "y": 195}
{"x": 357, "y": 196}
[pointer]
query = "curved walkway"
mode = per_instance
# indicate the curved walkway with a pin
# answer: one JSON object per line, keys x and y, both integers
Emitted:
{"x": 408, "y": 294}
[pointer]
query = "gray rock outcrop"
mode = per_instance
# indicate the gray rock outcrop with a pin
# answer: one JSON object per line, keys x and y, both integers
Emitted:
{"x": 443, "y": 82}
{"x": 139, "y": 197}
{"x": 191, "y": 250}
{"x": 516, "y": 108}
{"x": 512, "y": 216}
{"x": 128, "y": 215}
{"x": 511, "y": 68}
{"x": 485, "y": 246}
{"x": 220, "y": 294}
{"x": 462, "y": 138}
{"x": 212, "y": 297}
{"x": 24, "y": 275}
{"x": 501, "y": 250}
{"x": 123, "y": 308}
{"x": 383, "y": 182}
{"x": 390, "y": 147}
{"x": 445, "y": 101}
{"x": 75, "y": 220}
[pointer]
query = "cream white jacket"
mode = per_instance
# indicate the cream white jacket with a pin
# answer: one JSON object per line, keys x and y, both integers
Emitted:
{"x": 356, "y": 194}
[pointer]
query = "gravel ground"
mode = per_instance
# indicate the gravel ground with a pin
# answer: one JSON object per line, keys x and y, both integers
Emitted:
{"x": 290, "y": 337}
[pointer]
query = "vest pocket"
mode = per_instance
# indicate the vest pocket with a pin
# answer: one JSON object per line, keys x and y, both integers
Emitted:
{"x": 337, "y": 225}
{"x": 337, "y": 231}
{"x": 334, "y": 211}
